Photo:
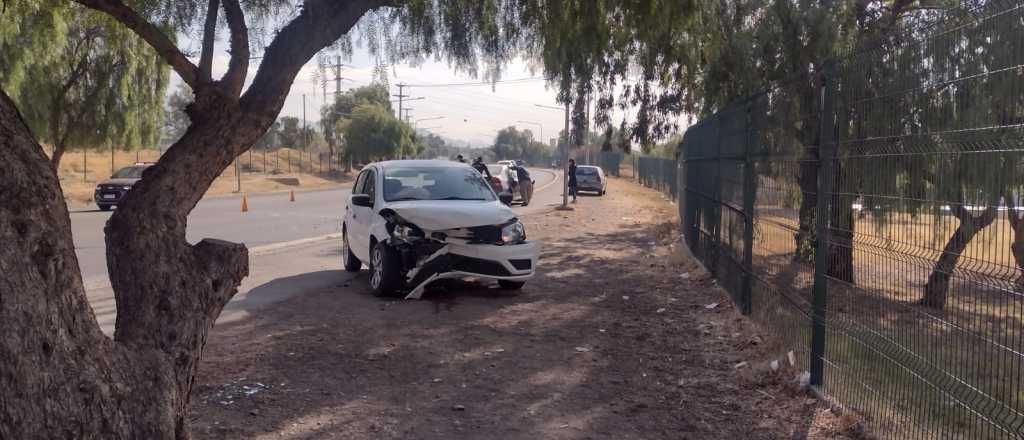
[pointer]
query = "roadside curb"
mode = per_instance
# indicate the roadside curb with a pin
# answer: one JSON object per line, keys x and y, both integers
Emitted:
{"x": 96, "y": 283}
{"x": 270, "y": 248}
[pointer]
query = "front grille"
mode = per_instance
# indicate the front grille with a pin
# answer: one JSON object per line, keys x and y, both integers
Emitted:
{"x": 521, "y": 264}
{"x": 486, "y": 234}
{"x": 476, "y": 265}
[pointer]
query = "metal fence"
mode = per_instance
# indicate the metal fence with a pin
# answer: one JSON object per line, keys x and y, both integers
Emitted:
{"x": 609, "y": 161}
{"x": 657, "y": 173}
{"x": 869, "y": 215}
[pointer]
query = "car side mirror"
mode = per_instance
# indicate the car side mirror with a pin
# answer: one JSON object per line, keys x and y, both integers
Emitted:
{"x": 505, "y": 198}
{"x": 362, "y": 200}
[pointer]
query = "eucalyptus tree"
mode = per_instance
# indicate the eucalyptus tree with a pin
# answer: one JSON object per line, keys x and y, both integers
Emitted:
{"x": 93, "y": 83}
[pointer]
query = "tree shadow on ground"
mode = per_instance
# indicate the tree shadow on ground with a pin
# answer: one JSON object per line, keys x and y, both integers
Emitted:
{"x": 606, "y": 343}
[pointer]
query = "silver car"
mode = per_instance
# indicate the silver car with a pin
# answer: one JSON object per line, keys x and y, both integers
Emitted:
{"x": 591, "y": 178}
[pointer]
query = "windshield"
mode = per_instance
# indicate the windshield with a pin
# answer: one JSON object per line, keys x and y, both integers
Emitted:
{"x": 435, "y": 183}
{"x": 586, "y": 171}
{"x": 496, "y": 170}
{"x": 128, "y": 173}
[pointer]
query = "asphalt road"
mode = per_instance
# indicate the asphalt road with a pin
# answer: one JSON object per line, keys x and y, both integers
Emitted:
{"x": 285, "y": 238}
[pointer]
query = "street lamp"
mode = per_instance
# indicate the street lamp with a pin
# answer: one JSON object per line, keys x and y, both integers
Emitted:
{"x": 565, "y": 156}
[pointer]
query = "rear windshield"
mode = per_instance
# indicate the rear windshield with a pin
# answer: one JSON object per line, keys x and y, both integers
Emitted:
{"x": 435, "y": 183}
{"x": 134, "y": 172}
{"x": 586, "y": 171}
{"x": 495, "y": 169}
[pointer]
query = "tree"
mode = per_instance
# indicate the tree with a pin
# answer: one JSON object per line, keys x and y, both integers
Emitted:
{"x": 291, "y": 132}
{"x": 345, "y": 103}
{"x": 271, "y": 138}
{"x": 177, "y": 122}
{"x": 374, "y": 133}
{"x": 93, "y": 61}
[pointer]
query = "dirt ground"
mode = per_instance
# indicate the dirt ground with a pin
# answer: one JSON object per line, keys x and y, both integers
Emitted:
{"x": 610, "y": 341}
{"x": 80, "y": 172}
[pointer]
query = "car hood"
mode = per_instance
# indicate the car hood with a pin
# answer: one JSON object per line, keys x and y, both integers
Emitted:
{"x": 439, "y": 215}
{"x": 118, "y": 182}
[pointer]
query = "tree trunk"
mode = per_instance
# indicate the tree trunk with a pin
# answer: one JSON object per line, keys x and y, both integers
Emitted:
{"x": 60, "y": 376}
{"x": 937, "y": 287}
{"x": 58, "y": 153}
{"x": 808, "y": 183}
{"x": 1017, "y": 245}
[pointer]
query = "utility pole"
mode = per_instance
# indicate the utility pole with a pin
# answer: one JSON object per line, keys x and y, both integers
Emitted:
{"x": 407, "y": 116}
{"x": 401, "y": 96}
{"x": 565, "y": 158}
{"x": 305, "y": 145}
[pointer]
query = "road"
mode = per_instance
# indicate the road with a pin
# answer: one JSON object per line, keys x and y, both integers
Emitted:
{"x": 285, "y": 238}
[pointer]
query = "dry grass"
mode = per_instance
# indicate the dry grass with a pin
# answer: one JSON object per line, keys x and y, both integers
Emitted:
{"x": 80, "y": 171}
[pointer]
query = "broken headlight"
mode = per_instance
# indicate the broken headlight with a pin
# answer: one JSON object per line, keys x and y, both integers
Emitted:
{"x": 407, "y": 232}
{"x": 513, "y": 233}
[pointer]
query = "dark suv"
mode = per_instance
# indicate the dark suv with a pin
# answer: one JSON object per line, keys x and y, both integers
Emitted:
{"x": 109, "y": 192}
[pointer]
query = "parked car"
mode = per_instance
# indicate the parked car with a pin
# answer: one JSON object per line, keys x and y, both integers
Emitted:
{"x": 418, "y": 221}
{"x": 591, "y": 178}
{"x": 111, "y": 191}
{"x": 503, "y": 178}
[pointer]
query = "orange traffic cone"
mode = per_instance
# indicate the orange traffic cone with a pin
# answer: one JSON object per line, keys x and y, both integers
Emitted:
{"x": 291, "y": 198}
{"x": 245, "y": 203}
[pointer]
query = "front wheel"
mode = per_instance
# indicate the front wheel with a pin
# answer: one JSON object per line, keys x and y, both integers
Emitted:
{"x": 385, "y": 270}
{"x": 351, "y": 262}
{"x": 511, "y": 285}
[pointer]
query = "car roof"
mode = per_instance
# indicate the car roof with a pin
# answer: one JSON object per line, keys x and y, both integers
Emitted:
{"x": 588, "y": 166}
{"x": 419, "y": 163}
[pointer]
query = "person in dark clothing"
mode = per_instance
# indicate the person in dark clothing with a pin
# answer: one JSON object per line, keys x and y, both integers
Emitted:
{"x": 479, "y": 165}
{"x": 525, "y": 184}
{"x": 572, "y": 179}
{"x": 459, "y": 158}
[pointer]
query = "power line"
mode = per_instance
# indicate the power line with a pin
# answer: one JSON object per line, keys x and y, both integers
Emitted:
{"x": 480, "y": 83}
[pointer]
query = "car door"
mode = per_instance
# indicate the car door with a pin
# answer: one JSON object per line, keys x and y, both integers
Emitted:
{"x": 359, "y": 218}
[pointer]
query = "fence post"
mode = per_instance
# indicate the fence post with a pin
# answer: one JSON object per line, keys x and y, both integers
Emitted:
{"x": 751, "y": 145}
{"x": 826, "y": 150}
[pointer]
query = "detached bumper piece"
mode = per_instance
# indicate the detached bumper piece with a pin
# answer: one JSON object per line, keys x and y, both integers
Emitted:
{"x": 509, "y": 262}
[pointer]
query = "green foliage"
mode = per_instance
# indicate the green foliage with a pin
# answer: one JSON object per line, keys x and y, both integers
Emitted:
{"x": 511, "y": 143}
{"x": 176, "y": 121}
{"x": 291, "y": 132}
{"x": 373, "y": 133}
{"x": 79, "y": 78}
{"x": 345, "y": 103}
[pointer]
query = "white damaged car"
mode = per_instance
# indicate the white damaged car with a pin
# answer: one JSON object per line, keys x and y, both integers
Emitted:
{"x": 417, "y": 221}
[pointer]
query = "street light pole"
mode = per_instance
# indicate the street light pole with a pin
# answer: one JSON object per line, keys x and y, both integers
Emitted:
{"x": 565, "y": 158}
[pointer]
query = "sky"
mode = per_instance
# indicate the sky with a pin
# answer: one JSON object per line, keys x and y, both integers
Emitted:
{"x": 472, "y": 113}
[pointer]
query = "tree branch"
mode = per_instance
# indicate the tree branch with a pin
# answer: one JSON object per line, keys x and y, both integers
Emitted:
{"x": 238, "y": 67}
{"x": 321, "y": 23}
{"x": 151, "y": 34}
{"x": 209, "y": 40}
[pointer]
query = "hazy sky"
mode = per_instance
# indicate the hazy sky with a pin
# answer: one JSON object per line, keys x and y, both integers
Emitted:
{"x": 472, "y": 113}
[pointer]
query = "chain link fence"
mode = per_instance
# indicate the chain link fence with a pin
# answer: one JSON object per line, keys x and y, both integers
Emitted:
{"x": 869, "y": 215}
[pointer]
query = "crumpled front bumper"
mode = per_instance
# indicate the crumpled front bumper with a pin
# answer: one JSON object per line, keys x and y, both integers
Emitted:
{"x": 506, "y": 262}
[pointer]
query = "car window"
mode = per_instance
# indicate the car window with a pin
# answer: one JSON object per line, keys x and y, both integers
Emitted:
{"x": 435, "y": 183}
{"x": 133, "y": 172}
{"x": 586, "y": 171}
{"x": 360, "y": 182}
{"x": 496, "y": 170}
{"x": 370, "y": 185}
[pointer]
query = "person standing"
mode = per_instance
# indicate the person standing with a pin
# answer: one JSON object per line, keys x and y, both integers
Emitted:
{"x": 572, "y": 179}
{"x": 480, "y": 166}
{"x": 525, "y": 184}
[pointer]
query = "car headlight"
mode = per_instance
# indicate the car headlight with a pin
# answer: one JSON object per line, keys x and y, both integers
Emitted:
{"x": 402, "y": 231}
{"x": 127, "y": 187}
{"x": 513, "y": 234}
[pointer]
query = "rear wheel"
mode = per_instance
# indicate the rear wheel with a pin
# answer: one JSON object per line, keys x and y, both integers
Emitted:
{"x": 351, "y": 262}
{"x": 385, "y": 270}
{"x": 511, "y": 285}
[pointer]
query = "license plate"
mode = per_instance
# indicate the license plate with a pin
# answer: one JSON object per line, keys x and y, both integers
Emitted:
{"x": 110, "y": 196}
